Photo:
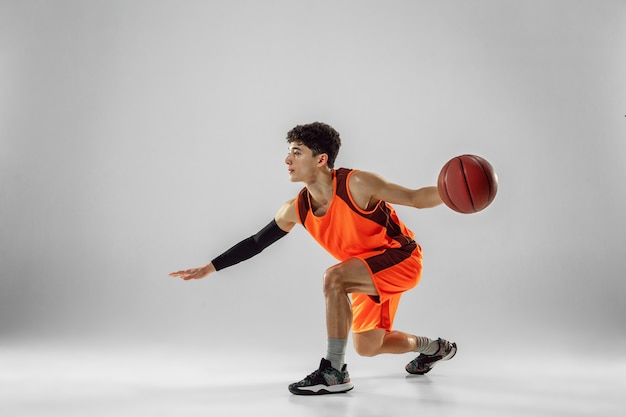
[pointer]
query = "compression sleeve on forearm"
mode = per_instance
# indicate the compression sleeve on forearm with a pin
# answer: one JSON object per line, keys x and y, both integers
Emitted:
{"x": 249, "y": 247}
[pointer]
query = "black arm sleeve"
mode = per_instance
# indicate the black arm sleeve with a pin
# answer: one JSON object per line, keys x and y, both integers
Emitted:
{"x": 249, "y": 247}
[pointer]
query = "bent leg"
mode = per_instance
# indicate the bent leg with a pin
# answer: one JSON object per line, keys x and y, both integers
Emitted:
{"x": 377, "y": 341}
{"x": 340, "y": 280}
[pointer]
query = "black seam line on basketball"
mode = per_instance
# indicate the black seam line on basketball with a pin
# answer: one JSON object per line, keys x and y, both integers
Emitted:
{"x": 487, "y": 176}
{"x": 469, "y": 192}
{"x": 457, "y": 208}
{"x": 445, "y": 185}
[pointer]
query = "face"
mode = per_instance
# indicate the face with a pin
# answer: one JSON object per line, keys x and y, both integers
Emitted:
{"x": 301, "y": 163}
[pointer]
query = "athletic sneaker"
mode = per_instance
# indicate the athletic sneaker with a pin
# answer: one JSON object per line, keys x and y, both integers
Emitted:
{"x": 325, "y": 380}
{"x": 424, "y": 363}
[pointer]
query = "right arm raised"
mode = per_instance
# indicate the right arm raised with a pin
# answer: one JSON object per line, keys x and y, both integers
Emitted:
{"x": 282, "y": 223}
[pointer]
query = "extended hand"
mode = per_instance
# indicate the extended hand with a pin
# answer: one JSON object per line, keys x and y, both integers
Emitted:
{"x": 194, "y": 273}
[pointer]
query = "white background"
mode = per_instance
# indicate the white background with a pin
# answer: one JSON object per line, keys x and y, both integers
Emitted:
{"x": 143, "y": 137}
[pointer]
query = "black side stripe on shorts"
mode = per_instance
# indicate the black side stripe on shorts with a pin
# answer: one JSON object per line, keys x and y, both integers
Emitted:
{"x": 390, "y": 257}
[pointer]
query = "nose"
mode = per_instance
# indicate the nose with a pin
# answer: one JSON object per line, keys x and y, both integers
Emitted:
{"x": 288, "y": 159}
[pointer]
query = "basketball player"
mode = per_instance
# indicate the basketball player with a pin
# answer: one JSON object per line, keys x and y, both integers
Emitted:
{"x": 348, "y": 212}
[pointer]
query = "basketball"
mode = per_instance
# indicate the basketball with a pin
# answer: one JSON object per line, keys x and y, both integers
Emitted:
{"x": 467, "y": 183}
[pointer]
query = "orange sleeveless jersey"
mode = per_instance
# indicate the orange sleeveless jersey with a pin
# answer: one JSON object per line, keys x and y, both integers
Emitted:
{"x": 345, "y": 230}
{"x": 378, "y": 238}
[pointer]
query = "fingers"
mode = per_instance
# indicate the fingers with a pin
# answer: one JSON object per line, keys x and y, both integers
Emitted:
{"x": 181, "y": 274}
{"x": 188, "y": 274}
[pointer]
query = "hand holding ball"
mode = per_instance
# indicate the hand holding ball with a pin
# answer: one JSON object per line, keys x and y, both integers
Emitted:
{"x": 467, "y": 183}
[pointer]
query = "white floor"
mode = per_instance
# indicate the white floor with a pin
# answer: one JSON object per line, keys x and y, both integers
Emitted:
{"x": 37, "y": 380}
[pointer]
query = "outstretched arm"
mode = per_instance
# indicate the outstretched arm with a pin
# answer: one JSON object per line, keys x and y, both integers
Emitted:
{"x": 368, "y": 188}
{"x": 247, "y": 248}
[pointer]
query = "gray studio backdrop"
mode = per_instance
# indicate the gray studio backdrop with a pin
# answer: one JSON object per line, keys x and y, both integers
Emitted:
{"x": 143, "y": 137}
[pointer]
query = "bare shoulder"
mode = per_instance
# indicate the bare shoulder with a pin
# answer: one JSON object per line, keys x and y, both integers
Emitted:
{"x": 364, "y": 187}
{"x": 286, "y": 217}
{"x": 366, "y": 183}
{"x": 366, "y": 179}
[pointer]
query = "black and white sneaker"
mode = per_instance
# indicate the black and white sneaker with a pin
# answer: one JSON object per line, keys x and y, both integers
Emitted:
{"x": 424, "y": 363}
{"x": 325, "y": 380}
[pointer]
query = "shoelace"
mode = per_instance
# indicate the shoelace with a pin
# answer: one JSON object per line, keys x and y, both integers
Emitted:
{"x": 312, "y": 375}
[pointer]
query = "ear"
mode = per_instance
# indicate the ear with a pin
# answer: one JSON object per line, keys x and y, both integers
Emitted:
{"x": 322, "y": 159}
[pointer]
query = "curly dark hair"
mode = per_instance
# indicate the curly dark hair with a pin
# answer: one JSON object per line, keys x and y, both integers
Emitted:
{"x": 319, "y": 137}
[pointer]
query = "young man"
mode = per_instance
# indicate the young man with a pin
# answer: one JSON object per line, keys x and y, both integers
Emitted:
{"x": 348, "y": 212}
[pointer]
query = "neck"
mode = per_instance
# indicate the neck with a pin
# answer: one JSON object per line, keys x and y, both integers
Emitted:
{"x": 321, "y": 187}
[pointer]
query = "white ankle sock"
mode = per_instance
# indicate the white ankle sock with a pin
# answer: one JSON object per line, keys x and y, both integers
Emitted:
{"x": 336, "y": 352}
{"x": 426, "y": 346}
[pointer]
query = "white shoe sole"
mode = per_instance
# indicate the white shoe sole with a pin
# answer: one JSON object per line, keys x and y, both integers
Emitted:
{"x": 322, "y": 389}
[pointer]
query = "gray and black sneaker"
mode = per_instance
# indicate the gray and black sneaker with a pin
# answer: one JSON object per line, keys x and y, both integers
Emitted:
{"x": 325, "y": 380}
{"x": 424, "y": 363}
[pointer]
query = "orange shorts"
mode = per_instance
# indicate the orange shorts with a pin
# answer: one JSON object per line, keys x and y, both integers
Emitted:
{"x": 393, "y": 271}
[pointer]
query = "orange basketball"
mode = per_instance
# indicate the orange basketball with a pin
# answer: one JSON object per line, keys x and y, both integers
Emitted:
{"x": 467, "y": 183}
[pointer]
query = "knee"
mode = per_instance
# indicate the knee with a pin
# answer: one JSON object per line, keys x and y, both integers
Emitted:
{"x": 333, "y": 280}
{"x": 365, "y": 348}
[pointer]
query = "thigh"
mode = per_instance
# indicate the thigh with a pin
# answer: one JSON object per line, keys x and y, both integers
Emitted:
{"x": 354, "y": 277}
{"x": 394, "y": 271}
{"x": 368, "y": 314}
{"x": 368, "y": 341}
